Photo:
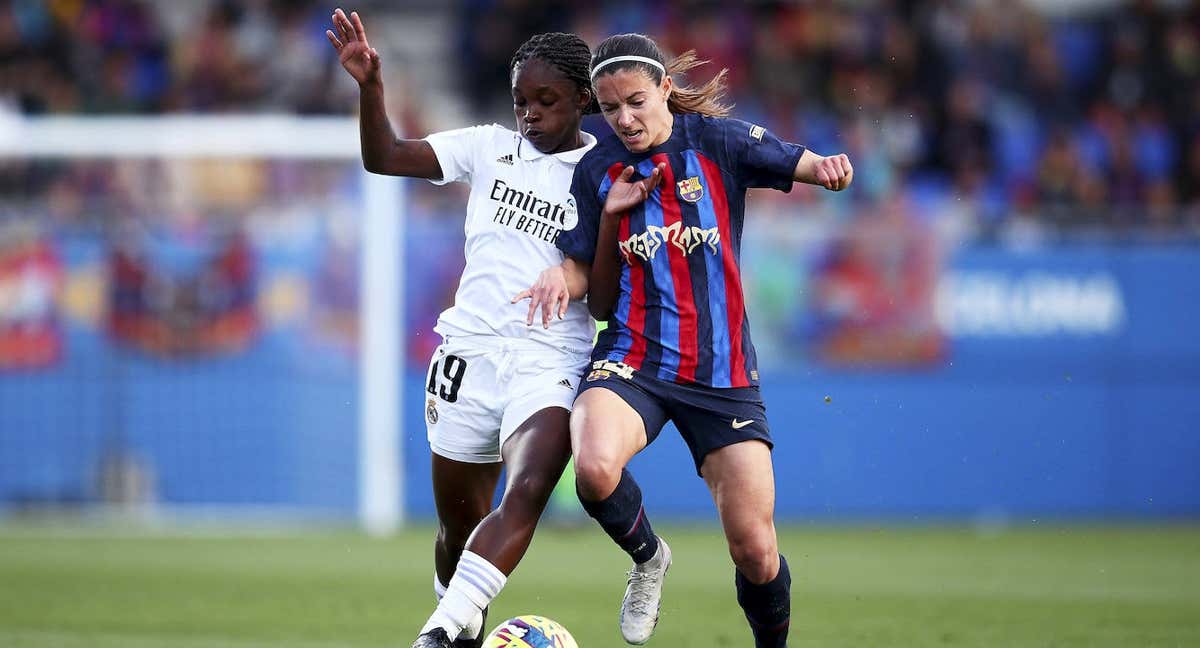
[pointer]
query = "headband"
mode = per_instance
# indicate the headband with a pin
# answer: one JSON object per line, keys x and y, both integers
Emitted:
{"x": 619, "y": 59}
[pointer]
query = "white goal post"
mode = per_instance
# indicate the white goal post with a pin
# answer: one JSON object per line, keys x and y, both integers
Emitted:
{"x": 381, "y": 322}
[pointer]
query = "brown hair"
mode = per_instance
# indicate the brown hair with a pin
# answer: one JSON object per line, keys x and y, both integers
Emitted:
{"x": 708, "y": 99}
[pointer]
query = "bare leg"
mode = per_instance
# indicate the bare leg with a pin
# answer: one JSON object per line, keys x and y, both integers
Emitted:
{"x": 462, "y": 493}
{"x": 535, "y": 456}
{"x": 742, "y": 482}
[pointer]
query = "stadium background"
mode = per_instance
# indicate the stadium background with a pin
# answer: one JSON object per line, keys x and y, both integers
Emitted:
{"x": 992, "y": 330}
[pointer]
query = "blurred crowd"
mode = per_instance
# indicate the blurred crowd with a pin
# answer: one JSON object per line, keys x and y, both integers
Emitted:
{"x": 1087, "y": 118}
{"x": 139, "y": 56}
{"x": 1080, "y": 119}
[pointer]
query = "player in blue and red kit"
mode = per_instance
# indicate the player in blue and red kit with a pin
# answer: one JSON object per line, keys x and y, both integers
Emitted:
{"x": 657, "y": 252}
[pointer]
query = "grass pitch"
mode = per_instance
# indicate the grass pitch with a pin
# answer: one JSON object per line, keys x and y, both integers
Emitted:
{"x": 1060, "y": 586}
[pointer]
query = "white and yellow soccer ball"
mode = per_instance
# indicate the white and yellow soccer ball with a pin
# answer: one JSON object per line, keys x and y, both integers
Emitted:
{"x": 530, "y": 631}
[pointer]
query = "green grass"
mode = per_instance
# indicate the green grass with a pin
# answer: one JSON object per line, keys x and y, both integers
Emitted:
{"x": 1061, "y": 586}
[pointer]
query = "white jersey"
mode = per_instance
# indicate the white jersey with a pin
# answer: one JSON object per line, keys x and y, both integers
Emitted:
{"x": 520, "y": 201}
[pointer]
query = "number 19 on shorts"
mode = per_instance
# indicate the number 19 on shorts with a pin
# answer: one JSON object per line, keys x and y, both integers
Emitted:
{"x": 445, "y": 377}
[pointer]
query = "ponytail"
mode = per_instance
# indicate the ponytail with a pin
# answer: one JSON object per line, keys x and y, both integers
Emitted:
{"x": 708, "y": 99}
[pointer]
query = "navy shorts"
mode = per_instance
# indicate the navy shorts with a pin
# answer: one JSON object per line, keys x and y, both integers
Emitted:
{"x": 708, "y": 418}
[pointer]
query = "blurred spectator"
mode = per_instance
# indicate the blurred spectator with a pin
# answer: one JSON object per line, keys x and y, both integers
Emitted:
{"x": 31, "y": 277}
{"x": 138, "y": 56}
{"x": 1093, "y": 110}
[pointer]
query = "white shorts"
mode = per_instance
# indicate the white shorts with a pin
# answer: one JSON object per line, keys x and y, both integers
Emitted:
{"x": 479, "y": 390}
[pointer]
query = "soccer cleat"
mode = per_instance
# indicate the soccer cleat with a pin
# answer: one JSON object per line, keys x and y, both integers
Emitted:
{"x": 476, "y": 627}
{"x": 643, "y": 595}
{"x": 435, "y": 638}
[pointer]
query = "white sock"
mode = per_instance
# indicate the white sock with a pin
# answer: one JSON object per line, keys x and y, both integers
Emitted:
{"x": 476, "y": 582}
{"x": 472, "y": 629}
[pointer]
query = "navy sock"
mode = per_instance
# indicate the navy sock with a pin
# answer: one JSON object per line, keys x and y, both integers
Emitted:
{"x": 768, "y": 607}
{"x": 624, "y": 520}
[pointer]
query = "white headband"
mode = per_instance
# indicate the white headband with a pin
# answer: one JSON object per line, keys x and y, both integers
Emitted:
{"x": 618, "y": 59}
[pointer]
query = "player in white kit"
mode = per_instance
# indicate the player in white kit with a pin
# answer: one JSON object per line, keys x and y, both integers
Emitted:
{"x": 498, "y": 390}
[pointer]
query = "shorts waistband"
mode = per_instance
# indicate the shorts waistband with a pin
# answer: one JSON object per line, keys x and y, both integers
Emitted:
{"x": 497, "y": 343}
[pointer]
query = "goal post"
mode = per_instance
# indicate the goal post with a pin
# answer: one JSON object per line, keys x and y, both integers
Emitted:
{"x": 381, "y": 269}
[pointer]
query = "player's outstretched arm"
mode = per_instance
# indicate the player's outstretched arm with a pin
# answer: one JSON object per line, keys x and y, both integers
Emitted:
{"x": 604, "y": 282}
{"x": 555, "y": 287}
{"x": 833, "y": 172}
{"x": 382, "y": 152}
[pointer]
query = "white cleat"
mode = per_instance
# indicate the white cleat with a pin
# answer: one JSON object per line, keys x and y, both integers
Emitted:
{"x": 639, "y": 608}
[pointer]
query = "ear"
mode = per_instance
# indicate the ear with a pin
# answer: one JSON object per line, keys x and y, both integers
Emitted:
{"x": 583, "y": 99}
{"x": 668, "y": 85}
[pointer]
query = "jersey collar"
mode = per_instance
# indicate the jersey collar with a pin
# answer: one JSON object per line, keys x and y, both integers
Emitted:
{"x": 527, "y": 151}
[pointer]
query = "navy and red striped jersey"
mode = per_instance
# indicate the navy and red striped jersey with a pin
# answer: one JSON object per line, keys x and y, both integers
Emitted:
{"x": 680, "y": 314}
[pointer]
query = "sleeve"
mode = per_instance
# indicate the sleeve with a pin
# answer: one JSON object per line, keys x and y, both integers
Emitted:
{"x": 579, "y": 242}
{"x": 455, "y": 150}
{"x": 760, "y": 159}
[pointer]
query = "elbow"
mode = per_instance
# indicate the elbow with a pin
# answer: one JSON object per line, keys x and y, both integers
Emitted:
{"x": 372, "y": 165}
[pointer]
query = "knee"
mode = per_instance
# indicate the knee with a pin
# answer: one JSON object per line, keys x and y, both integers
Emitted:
{"x": 453, "y": 537}
{"x": 527, "y": 493}
{"x": 453, "y": 533}
{"x": 596, "y": 475}
{"x": 756, "y": 556}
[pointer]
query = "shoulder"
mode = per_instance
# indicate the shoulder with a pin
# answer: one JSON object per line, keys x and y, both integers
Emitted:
{"x": 497, "y": 136}
{"x": 478, "y": 135}
{"x": 727, "y": 128}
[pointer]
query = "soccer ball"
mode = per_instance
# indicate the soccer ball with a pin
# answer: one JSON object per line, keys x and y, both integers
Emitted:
{"x": 530, "y": 631}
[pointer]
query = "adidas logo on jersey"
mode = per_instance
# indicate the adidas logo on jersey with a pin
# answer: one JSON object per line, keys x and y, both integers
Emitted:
{"x": 505, "y": 159}
{"x": 565, "y": 383}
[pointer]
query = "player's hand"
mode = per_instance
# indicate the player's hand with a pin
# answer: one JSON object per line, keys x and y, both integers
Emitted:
{"x": 549, "y": 293}
{"x": 834, "y": 172}
{"x": 349, "y": 39}
{"x": 624, "y": 195}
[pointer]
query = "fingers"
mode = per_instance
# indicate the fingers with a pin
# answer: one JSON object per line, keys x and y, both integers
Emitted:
{"x": 549, "y": 293}
{"x": 536, "y": 296}
{"x": 534, "y": 301}
{"x": 563, "y": 300}
{"x": 558, "y": 299}
{"x": 838, "y": 171}
{"x": 547, "y": 308}
{"x": 360, "y": 32}
{"x": 835, "y": 172}
{"x": 337, "y": 44}
{"x": 626, "y": 174}
{"x": 823, "y": 177}
{"x": 847, "y": 171}
{"x": 345, "y": 29}
{"x": 339, "y": 29}
{"x": 655, "y": 177}
{"x": 646, "y": 185}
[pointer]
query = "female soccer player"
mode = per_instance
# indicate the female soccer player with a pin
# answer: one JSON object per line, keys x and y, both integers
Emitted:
{"x": 498, "y": 391}
{"x": 657, "y": 251}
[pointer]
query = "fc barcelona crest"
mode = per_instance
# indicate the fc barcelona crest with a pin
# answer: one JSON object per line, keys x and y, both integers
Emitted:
{"x": 690, "y": 189}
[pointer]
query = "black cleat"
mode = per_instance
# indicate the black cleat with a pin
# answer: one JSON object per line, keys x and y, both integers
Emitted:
{"x": 477, "y": 642}
{"x": 435, "y": 638}
{"x": 463, "y": 642}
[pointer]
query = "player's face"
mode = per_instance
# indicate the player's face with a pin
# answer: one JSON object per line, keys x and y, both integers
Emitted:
{"x": 635, "y": 107}
{"x": 548, "y": 106}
